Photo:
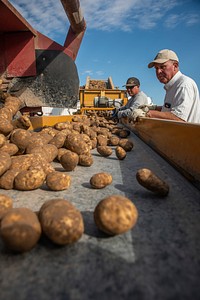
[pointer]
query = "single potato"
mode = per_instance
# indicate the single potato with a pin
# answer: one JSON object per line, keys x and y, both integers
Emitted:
{"x": 120, "y": 153}
{"x": 115, "y": 214}
{"x": 126, "y": 144}
{"x": 100, "y": 180}
{"x": 5, "y": 162}
{"x": 104, "y": 151}
{"x": 57, "y": 181}
{"x": 61, "y": 222}
{"x": 29, "y": 179}
{"x": 20, "y": 229}
{"x": 69, "y": 160}
{"x": 152, "y": 182}
{"x": 85, "y": 160}
{"x": 7, "y": 179}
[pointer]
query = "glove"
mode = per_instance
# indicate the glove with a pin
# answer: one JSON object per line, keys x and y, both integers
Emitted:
{"x": 146, "y": 108}
{"x": 114, "y": 113}
{"x": 137, "y": 113}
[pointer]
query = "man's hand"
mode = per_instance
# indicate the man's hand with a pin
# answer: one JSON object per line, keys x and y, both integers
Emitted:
{"x": 114, "y": 113}
{"x": 146, "y": 108}
{"x": 137, "y": 113}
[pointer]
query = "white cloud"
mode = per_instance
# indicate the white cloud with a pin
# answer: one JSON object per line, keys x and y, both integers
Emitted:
{"x": 174, "y": 20}
{"x": 87, "y": 72}
{"x": 99, "y": 73}
{"x": 49, "y": 17}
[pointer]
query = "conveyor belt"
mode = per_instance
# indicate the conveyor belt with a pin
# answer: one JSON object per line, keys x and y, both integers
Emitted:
{"x": 158, "y": 259}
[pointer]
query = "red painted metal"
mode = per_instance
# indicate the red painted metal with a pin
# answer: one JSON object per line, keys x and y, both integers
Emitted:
{"x": 12, "y": 20}
{"x": 43, "y": 42}
{"x": 77, "y": 26}
{"x": 20, "y": 59}
{"x": 19, "y": 39}
{"x": 73, "y": 42}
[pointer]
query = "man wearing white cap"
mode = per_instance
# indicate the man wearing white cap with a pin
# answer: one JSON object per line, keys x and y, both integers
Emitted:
{"x": 181, "y": 101}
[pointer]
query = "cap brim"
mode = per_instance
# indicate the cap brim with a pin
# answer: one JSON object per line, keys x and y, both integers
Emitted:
{"x": 157, "y": 61}
{"x": 129, "y": 84}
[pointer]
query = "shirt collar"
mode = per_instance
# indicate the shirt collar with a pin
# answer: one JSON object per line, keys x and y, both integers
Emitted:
{"x": 172, "y": 81}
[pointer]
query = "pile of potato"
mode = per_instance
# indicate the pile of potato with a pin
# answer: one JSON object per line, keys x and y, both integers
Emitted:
{"x": 26, "y": 156}
{"x": 26, "y": 164}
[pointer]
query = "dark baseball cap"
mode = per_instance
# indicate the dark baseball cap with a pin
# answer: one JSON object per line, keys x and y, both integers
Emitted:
{"x": 132, "y": 81}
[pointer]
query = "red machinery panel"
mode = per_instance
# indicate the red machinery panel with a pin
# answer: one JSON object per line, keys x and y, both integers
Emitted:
{"x": 20, "y": 54}
{"x": 2, "y": 55}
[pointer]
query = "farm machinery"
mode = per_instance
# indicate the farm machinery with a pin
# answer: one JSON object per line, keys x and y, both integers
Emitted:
{"x": 35, "y": 68}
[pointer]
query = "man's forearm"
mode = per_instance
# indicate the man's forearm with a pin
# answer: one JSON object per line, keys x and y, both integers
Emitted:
{"x": 163, "y": 115}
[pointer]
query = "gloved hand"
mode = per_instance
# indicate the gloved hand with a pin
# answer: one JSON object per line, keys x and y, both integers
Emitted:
{"x": 146, "y": 108}
{"x": 114, "y": 113}
{"x": 137, "y": 113}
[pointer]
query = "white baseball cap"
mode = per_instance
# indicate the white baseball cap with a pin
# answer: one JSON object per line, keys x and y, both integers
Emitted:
{"x": 163, "y": 56}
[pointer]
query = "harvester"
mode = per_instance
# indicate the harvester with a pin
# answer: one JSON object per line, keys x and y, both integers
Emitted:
{"x": 35, "y": 68}
{"x": 101, "y": 95}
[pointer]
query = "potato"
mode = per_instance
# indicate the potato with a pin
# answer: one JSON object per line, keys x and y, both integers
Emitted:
{"x": 34, "y": 143}
{"x": 20, "y": 229}
{"x": 94, "y": 143}
{"x": 13, "y": 104}
{"x": 6, "y": 203}
{"x": 120, "y": 153}
{"x": 7, "y": 179}
{"x": 69, "y": 160}
{"x": 21, "y": 162}
{"x": 58, "y": 140}
{"x": 20, "y": 137}
{"x": 115, "y": 130}
{"x": 115, "y": 214}
{"x": 5, "y": 126}
{"x": 102, "y": 140}
{"x": 48, "y": 130}
{"x": 126, "y": 144}
{"x": 5, "y": 113}
{"x": 85, "y": 160}
{"x": 2, "y": 140}
{"x": 63, "y": 125}
{"x": 74, "y": 143}
{"x": 47, "y": 151}
{"x": 124, "y": 133}
{"x": 104, "y": 150}
{"x": 61, "y": 222}
{"x": 100, "y": 180}
{"x": 104, "y": 132}
{"x": 41, "y": 163}
{"x": 51, "y": 152}
{"x": 5, "y": 162}
{"x": 77, "y": 127}
{"x": 150, "y": 181}
{"x": 22, "y": 122}
{"x": 39, "y": 150}
{"x": 10, "y": 148}
{"x": 61, "y": 151}
{"x": 57, "y": 181}
{"x": 113, "y": 141}
{"x": 29, "y": 179}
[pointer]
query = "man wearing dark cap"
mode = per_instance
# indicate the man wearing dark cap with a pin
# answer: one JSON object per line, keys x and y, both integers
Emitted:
{"x": 182, "y": 101}
{"x": 137, "y": 99}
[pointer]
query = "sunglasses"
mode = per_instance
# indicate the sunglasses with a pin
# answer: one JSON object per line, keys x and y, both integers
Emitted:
{"x": 130, "y": 87}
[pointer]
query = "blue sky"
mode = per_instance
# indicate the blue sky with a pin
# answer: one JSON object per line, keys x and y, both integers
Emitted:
{"x": 122, "y": 37}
